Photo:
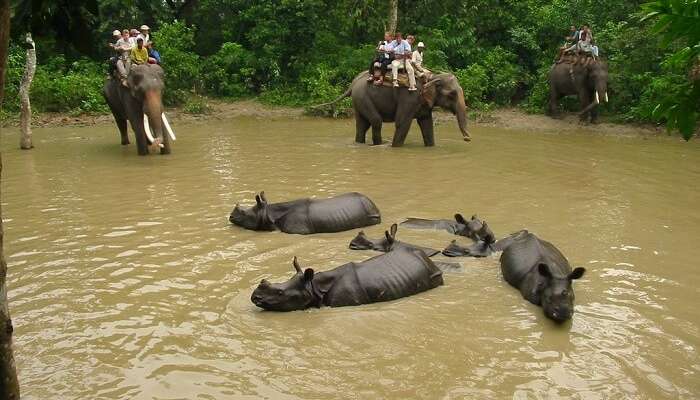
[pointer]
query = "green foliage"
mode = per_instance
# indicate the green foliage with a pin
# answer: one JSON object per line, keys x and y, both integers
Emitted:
{"x": 474, "y": 81}
{"x": 231, "y": 72}
{"x": 182, "y": 66}
{"x": 58, "y": 86}
{"x": 299, "y": 53}
{"x": 196, "y": 105}
{"x": 678, "y": 23}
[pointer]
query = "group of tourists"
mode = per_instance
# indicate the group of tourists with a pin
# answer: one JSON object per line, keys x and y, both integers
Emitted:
{"x": 580, "y": 42}
{"x": 133, "y": 47}
{"x": 395, "y": 51}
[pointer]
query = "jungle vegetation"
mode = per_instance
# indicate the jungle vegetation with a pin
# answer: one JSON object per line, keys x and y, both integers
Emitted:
{"x": 297, "y": 53}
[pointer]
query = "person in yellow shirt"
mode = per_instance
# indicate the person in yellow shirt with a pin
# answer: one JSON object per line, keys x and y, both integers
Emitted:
{"x": 139, "y": 54}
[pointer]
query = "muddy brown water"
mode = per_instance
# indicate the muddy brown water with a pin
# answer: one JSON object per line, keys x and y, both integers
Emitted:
{"x": 128, "y": 282}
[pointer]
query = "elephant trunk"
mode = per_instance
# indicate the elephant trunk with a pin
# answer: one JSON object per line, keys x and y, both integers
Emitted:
{"x": 461, "y": 113}
{"x": 152, "y": 111}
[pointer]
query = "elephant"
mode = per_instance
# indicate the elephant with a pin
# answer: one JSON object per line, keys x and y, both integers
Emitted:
{"x": 376, "y": 104}
{"x": 141, "y": 105}
{"x": 589, "y": 82}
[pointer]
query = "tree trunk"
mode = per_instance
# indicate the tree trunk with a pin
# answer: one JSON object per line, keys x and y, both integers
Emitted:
{"x": 25, "y": 116}
{"x": 9, "y": 387}
{"x": 393, "y": 15}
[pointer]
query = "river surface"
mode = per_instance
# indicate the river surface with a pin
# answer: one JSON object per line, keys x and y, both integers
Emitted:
{"x": 128, "y": 282}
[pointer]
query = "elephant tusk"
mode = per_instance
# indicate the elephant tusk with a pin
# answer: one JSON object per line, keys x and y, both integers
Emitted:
{"x": 167, "y": 126}
{"x": 606, "y": 97}
{"x": 597, "y": 99}
{"x": 147, "y": 129}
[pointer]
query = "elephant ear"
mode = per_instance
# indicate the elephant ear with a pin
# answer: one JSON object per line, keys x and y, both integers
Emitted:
{"x": 429, "y": 92}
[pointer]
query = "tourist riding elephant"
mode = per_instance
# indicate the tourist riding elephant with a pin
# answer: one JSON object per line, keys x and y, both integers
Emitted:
{"x": 588, "y": 82}
{"x": 140, "y": 104}
{"x": 376, "y": 104}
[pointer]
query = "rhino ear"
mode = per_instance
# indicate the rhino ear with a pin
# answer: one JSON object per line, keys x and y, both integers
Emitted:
{"x": 393, "y": 230}
{"x": 262, "y": 197}
{"x": 459, "y": 218}
{"x": 544, "y": 270}
{"x": 308, "y": 274}
{"x": 577, "y": 273}
{"x": 258, "y": 201}
{"x": 296, "y": 265}
{"x": 474, "y": 217}
{"x": 389, "y": 238}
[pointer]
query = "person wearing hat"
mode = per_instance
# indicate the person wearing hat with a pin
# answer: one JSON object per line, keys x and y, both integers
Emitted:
{"x": 417, "y": 59}
{"x": 116, "y": 35}
{"x": 145, "y": 34}
{"x": 134, "y": 33}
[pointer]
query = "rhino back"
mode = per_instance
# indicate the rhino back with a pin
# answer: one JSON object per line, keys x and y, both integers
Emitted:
{"x": 397, "y": 274}
{"x": 341, "y": 213}
{"x": 293, "y": 216}
{"x": 519, "y": 259}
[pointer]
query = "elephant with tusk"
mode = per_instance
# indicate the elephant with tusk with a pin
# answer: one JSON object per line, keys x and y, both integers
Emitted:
{"x": 374, "y": 105}
{"x": 141, "y": 105}
{"x": 589, "y": 82}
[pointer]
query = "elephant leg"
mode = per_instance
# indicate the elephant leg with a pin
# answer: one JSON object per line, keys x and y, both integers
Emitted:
{"x": 585, "y": 101}
{"x": 553, "y": 102}
{"x": 141, "y": 144}
{"x": 367, "y": 115}
{"x": 119, "y": 117}
{"x": 594, "y": 115}
{"x": 426, "y": 128}
{"x": 377, "y": 132}
{"x": 121, "y": 124}
{"x": 403, "y": 119}
{"x": 361, "y": 127}
{"x": 166, "y": 144}
{"x": 134, "y": 111}
{"x": 402, "y": 128}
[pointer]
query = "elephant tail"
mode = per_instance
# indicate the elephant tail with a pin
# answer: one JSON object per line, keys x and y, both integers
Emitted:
{"x": 341, "y": 97}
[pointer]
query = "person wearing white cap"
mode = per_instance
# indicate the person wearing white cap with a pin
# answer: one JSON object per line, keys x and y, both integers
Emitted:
{"x": 417, "y": 59}
{"x": 145, "y": 33}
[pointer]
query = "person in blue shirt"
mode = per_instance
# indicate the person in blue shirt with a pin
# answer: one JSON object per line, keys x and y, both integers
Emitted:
{"x": 402, "y": 52}
{"x": 153, "y": 54}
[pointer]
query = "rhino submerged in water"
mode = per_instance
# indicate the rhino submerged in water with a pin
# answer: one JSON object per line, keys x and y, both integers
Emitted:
{"x": 386, "y": 277}
{"x": 307, "y": 216}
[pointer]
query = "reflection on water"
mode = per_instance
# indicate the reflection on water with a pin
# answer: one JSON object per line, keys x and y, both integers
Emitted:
{"x": 127, "y": 280}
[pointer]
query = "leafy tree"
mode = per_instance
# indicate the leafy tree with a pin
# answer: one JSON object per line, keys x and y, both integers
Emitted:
{"x": 678, "y": 23}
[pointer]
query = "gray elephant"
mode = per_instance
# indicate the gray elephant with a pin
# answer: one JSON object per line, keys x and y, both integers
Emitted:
{"x": 141, "y": 105}
{"x": 376, "y": 104}
{"x": 589, "y": 82}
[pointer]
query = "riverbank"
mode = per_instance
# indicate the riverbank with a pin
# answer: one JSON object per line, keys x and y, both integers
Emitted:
{"x": 507, "y": 118}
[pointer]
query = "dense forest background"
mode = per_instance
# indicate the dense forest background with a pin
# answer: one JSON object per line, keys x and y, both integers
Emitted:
{"x": 295, "y": 52}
